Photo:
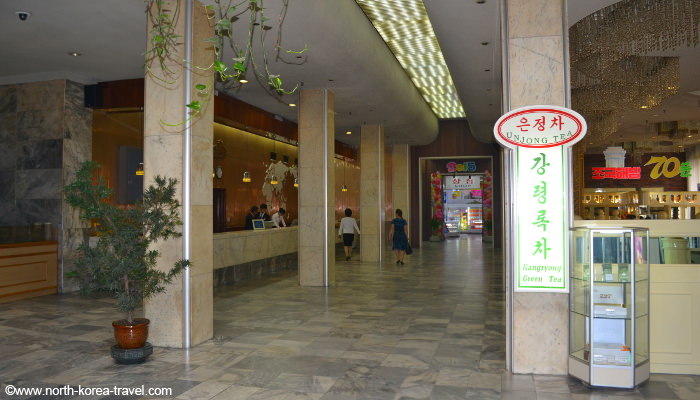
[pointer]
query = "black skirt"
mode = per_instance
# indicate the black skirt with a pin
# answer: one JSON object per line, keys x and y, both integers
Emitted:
{"x": 348, "y": 238}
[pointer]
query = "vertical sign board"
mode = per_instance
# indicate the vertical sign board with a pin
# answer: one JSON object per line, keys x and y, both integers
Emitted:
{"x": 539, "y": 136}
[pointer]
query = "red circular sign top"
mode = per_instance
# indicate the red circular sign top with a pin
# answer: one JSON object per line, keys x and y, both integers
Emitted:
{"x": 540, "y": 127}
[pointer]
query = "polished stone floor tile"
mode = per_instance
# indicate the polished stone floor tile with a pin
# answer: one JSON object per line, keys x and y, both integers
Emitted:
{"x": 431, "y": 329}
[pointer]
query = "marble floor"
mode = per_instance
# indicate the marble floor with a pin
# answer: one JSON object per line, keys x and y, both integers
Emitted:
{"x": 430, "y": 329}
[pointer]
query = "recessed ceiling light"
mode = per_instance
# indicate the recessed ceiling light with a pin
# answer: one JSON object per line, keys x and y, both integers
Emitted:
{"x": 348, "y": 133}
{"x": 644, "y": 107}
{"x": 74, "y": 54}
{"x": 406, "y": 28}
{"x": 243, "y": 80}
{"x": 292, "y": 105}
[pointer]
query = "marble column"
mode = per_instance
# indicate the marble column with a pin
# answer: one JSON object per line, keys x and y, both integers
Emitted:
{"x": 46, "y": 133}
{"x": 166, "y": 154}
{"x": 373, "y": 237}
{"x": 535, "y": 70}
{"x": 316, "y": 188}
{"x": 401, "y": 181}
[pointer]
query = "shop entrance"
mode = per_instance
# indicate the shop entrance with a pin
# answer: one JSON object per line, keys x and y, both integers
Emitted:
{"x": 456, "y": 198}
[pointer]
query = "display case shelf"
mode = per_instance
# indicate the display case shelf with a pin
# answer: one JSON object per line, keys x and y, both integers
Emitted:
{"x": 609, "y": 307}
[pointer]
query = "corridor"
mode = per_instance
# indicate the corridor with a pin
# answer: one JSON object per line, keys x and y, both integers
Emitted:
{"x": 430, "y": 329}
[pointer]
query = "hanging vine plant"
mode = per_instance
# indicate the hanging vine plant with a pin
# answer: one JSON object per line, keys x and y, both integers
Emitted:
{"x": 229, "y": 72}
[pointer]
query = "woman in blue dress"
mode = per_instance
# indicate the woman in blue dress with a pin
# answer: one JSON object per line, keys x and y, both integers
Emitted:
{"x": 397, "y": 234}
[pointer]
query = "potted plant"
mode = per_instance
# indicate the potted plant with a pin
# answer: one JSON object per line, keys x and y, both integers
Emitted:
{"x": 123, "y": 262}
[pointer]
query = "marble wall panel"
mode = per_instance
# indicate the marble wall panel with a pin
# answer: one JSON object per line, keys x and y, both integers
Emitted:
{"x": 8, "y": 141}
{"x": 44, "y": 124}
{"x": 311, "y": 271}
{"x": 166, "y": 314}
{"x": 49, "y": 95}
{"x": 528, "y": 18}
{"x": 7, "y": 186}
{"x": 540, "y": 332}
{"x": 202, "y": 305}
{"x": 372, "y": 195}
{"x": 11, "y": 215}
{"x": 38, "y": 184}
{"x": 401, "y": 180}
{"x": 70, "y": 240}
{"x": 40, "y": 211}
{"x": 201, "y": 170}
{"x": 8, "y": 99}
{"x": 543, "y": 54}
{"x": 201, "y": 239}
{"x": 41, "y": 154}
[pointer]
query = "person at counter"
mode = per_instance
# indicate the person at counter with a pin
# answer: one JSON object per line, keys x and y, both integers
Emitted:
{"x": 278, "y": 218}
{"x": 253, "y": 214}
{"x": 263, "y": 213}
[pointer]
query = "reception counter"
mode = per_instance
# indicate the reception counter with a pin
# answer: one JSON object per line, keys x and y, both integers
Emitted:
{"x": 674, "y": 296}
{"x": 244, "y": 255}
{"x": 28, "y": 269}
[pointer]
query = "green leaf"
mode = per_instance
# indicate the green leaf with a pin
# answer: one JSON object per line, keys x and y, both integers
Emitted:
{"x": 201, "y": 87}
{"x": 195, "y": 105}
{"x": 239, "y": 67}
{"x": 220, "y": 66}
{"x": 223, "y": 24}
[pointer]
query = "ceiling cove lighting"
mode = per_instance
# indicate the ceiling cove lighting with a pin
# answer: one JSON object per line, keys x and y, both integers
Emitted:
{"x": 406, "y": 29}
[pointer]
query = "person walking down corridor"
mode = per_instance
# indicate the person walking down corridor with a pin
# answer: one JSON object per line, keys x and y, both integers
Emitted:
{"x": 397, "y": 234}
{"x": 348, "y": 226}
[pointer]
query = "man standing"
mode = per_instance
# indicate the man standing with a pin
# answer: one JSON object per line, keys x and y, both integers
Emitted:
{"x": 250, "y": 217}
{"x": 278, "y": 218}
{"x": 263, "y": 213}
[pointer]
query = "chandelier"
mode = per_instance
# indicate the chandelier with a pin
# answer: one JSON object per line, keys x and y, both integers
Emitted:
{"x": 634, "y": 27}
{"x": 610, "y": 74}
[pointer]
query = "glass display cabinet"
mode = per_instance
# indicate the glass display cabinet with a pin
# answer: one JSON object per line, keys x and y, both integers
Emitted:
{"x": 609, "y": 306}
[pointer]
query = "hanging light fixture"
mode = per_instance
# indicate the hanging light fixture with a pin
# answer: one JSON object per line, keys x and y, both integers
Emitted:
{"x": 139, "y": 169}
{"x": 296, "y": 183}
{"x": 344, "y": 188}
{"x": 273, "y": 180}
{"x": 246, "y": 177}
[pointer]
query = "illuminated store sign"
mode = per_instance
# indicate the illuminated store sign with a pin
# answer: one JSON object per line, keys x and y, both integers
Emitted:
{"x": 668, "y": 167}
{"x": 617, "y": 173}
{"x": 539, "y": 136}
{"x": 462, "y": 182}
{"x": 467, "y": 166}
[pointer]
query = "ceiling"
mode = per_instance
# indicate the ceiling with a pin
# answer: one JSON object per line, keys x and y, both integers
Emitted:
{"x": 346, "y": 55}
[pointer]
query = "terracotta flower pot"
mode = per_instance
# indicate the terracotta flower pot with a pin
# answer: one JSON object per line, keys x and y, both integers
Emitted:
{"x": 131, "y": 336}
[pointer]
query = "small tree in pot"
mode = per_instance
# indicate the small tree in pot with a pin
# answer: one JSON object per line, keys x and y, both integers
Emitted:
{"x": 122, "y": 261}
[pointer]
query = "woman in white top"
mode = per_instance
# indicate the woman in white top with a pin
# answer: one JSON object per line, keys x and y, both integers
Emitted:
{"x": 348, "y": 226}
